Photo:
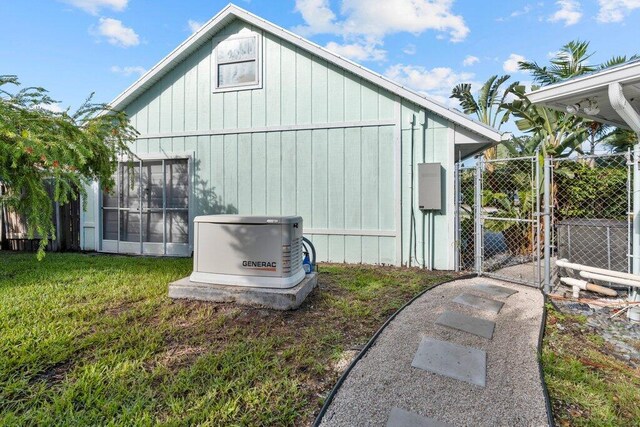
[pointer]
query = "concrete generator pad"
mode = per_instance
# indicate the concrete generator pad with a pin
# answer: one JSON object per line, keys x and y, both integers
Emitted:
{"x": 479, "y": 302}
{"x": 278, "y": 299}
{"x": 495, "y": 291}
{"x": 452, "y": 360}
{"x": 401, "y": 418}
{"x": 473, "y": 325}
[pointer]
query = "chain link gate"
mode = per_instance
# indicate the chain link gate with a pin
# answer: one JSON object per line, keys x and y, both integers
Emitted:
{"x": 498, "y": 219}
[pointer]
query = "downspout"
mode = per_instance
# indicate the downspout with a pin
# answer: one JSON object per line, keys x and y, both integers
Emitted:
{"x": 412, "y": 218}
{"x": 624, "y": 109}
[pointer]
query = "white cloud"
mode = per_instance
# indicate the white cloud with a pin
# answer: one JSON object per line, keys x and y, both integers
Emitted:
{"x": 569, "y": 12}
{"x": 511, "y": 64}
{"x": 194, "y": 25}
{"x": 53, "y": 107}
{"x": 469, "y": 60}
{"x": 410, "y": 49}
{"x": 436, "y": 82}
{"x": 358, "y": 51}
{"x": 318, "y": 16}
{"x": 94, "y": 6}
{"x": 128, "y": 70}
{"x": 116, "y": 33}
{"x": 358, "y": 17}
{"x": 616, "y": 10}
{"x": 526, "y": 9}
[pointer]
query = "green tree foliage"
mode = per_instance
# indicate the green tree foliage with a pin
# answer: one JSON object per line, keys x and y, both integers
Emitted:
{"x": 39, "y": 146}
{"x": 488, "y": 107}
{"x": 619, "y": 140}
{"x": 558, "y": 133}
{"x": 553, "y": 132}
{"x": 585, "y": 191}
{"x": 570, "y": 61}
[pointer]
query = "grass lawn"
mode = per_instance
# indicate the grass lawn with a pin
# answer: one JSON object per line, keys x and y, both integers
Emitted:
{"x": 94, "y": 339}
{"x": 587, "y": 385}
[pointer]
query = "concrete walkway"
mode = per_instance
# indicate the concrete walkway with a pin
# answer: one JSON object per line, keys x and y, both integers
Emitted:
{"x": 464, "y": 353}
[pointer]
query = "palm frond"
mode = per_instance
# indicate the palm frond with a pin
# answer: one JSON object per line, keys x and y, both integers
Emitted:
{"x": 462, "y": 92}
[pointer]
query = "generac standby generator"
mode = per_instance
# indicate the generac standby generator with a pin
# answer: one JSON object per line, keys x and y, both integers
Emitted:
{"x": 256, "y": 251}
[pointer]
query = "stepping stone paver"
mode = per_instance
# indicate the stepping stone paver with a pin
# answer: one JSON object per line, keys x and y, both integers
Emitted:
{"x": 495, "y": 290}
{"x": 473, "y": 325}
{"x": 462, "y": 363}
{"x": 401, "y": 418}
{"x": 479, "y": 302}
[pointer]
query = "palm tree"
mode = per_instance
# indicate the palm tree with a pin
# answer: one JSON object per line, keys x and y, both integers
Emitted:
{"x": 553, "y": 132}
{"x": 570, "y": 61}
{"x": 488, "y": 106}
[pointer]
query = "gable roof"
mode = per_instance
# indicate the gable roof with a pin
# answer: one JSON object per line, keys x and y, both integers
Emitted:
{"x": 231, "y": 12}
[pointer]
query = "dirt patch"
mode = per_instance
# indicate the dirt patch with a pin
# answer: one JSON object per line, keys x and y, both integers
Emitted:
{"x": 54, "y": 374}
{"x": 179, "y": 356}
{"x": 345, "y": 359}
{"x": 121, "y": 308}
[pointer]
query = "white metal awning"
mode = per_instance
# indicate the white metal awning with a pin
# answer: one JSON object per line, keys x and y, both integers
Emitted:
{"x": 610, "y": 96}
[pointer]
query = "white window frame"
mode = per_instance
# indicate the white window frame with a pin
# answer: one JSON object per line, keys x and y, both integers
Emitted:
{"x": 259, "y": 72}
{"x": 118, "y": 246}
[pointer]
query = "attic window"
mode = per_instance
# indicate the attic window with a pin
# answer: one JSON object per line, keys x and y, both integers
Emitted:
{"x": 237, "y": 62}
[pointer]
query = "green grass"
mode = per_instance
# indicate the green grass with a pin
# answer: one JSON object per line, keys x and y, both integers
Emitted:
{"x": 93, "y": 339}
{"x": 587, "y": 385}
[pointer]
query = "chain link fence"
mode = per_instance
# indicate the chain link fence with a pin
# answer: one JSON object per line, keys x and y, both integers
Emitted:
{"x": 500, "y": 207}
{"x": 591, "y": 204}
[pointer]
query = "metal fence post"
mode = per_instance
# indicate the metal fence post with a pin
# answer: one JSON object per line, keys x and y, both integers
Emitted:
{"x": 477, "y": 214}
{"x": 634, "y": 312}
{"x": 636, "y": 212}
{"x": 457, "y": 234}
{"x": 547, "y": 225}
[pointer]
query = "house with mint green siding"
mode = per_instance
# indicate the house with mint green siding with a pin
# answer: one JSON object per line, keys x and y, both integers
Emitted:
{"x": 246, "y": 117}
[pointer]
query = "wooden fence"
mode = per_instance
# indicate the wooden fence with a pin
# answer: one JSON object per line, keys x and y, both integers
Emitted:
{"x": 13, "y": 229}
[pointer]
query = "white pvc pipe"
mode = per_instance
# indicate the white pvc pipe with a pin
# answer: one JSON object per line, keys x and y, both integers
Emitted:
{"x": 578, "y": 285}
{"x": 606, "y": 278}
{"x": 575, "y": 284}
{"x": 582, "y": 284}
{"x": 628, "y": 276}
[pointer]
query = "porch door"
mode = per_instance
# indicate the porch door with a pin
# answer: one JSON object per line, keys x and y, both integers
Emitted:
{"x": 149, "y": 214}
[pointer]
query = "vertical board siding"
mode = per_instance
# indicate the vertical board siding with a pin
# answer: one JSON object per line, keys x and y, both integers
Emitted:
{"x": 274, "y": 174}
{"x": 259, "y": 174}
{"x": 337, "y": 179}
{"x": 304, "y": 186}
{"x": 320, "y": 180}
{"x": 271, "y": 78}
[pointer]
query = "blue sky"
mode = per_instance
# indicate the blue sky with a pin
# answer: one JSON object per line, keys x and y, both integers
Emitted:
{"x": 75, "y": 47}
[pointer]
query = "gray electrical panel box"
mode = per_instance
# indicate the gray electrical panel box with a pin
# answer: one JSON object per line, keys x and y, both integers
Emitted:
{"x": 429, "y": 186}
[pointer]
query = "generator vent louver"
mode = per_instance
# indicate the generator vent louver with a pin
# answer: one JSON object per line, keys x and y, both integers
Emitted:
{"x": 291, "y": 252}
